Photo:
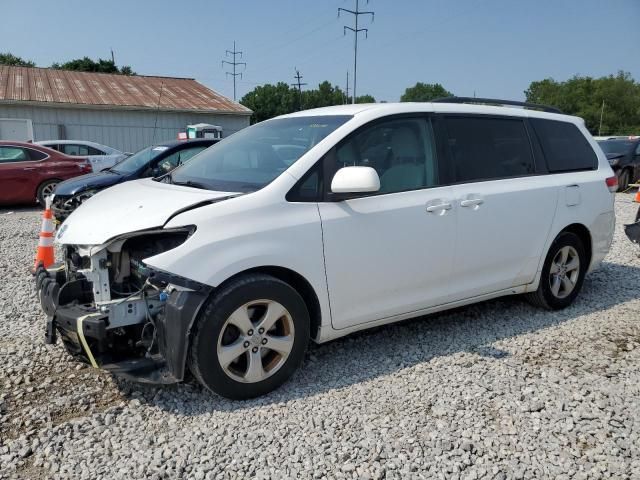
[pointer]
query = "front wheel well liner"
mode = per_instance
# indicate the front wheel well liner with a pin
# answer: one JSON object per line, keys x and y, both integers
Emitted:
{"x": 299, "y": 283}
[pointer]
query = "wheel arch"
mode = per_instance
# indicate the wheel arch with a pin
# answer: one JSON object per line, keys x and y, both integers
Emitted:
{"x": 46, "y": 180}
{"x": 585, "y": 236}
{"x": 299, "y": 283}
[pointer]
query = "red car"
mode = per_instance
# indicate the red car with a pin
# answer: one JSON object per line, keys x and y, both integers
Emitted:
{"x": 29, "y": 172}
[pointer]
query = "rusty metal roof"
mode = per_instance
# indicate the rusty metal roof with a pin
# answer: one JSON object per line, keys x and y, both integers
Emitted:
{"x": 47, "y": 85}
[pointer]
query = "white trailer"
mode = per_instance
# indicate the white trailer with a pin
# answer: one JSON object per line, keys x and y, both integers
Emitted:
{"x": 18, "y": 129}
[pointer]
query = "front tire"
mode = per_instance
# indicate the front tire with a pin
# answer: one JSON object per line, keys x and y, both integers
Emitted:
{"x": 562, "y": 274}
{"x": 250, "y": 337}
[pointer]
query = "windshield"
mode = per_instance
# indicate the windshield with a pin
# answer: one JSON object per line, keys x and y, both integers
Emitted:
{"x": 616, "y": 146}
{"x": 138, "y": 159}
{"x": 252, "y": 158}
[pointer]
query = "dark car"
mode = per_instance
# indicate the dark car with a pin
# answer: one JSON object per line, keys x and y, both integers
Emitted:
{"x": 624, "y": 157}
{"x": 152, "y": 161}
{"x": 29, "y": 173}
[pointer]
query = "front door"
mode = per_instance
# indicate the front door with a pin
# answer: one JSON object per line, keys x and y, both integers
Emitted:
{"x": 389, "y": 253}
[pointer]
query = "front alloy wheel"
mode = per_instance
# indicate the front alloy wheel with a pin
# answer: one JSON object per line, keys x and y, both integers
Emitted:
{"x": 256, "y": 341}
{"x": 250, "y": 336}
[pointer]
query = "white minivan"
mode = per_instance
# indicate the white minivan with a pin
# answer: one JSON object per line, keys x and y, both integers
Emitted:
{"x": 323, "y": 222}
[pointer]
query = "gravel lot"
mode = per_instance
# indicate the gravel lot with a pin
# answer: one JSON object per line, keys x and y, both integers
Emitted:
{"x": 498, "y": 390}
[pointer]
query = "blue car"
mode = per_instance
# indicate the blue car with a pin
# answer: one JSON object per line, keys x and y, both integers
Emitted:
{"x": 152, "y": 161}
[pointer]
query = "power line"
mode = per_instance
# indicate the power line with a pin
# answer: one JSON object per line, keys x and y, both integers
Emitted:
{"x": 356, "y": 14}
{"x": 298, "y": 77}
{"x": 234, "y": 52}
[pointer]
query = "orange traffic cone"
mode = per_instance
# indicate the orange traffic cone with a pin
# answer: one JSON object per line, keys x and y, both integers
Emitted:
{"x": 45, "y": 253}
{"x": 637, "y": 197}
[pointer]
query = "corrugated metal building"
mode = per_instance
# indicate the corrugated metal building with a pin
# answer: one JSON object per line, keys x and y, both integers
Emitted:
{"x": 124, "y": 112}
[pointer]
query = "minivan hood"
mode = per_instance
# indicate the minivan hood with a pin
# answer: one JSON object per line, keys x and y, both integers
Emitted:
{"x": 129, "y": 207}
{"x": 97, "y": 180}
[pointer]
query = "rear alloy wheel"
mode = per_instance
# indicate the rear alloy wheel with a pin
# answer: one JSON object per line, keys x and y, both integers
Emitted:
{"x": 45, "y": 190}
{"x": 562, "y": 274}
{"x": 250, "y": 337}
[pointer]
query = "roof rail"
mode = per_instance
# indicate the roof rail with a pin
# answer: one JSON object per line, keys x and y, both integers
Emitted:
{"x": 495, "y": 101}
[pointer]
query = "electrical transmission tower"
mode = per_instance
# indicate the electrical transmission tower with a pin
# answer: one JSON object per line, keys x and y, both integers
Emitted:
{"x": 346, "y": 98}
{"x": 298, "y": 77}
{"x": 356, "y": 14}
{"x": 234, "y": 64}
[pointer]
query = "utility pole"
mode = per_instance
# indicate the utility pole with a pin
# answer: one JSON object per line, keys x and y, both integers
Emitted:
{"x": 113, "y": 58}
{"x": 601, "y": 114}
{"x": 356, "y": 13}
{"x": 234, "y": 64}
{"x": 298, "y": 77}
{"x": 346, "y": 99}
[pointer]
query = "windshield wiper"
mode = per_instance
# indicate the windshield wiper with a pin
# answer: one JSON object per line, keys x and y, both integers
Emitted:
{"x": 191, "y": 184}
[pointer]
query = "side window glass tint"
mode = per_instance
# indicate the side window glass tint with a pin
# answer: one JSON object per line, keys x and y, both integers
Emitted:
{"x": 309, "y": 188}
{"x": 402, "y": 152}
{"x": 35, "y": 154}
{"x": 564, "y": 146}
{"x": 94, "y": 151}
{"x": 488, "y": 148}
{"x": 12, "y": 154}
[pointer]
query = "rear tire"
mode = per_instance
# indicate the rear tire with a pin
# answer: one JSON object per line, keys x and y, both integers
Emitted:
{"x": 562, "y": 273}
{"x": 231, "y": 354}
{"x": 45, "y": 189}
{"x": 623, "y": 180}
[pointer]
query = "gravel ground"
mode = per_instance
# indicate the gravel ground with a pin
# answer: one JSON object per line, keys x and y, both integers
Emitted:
{"x": 498, "y": 390}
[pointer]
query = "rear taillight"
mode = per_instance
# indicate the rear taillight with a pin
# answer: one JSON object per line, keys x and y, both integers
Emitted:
{"x": 86, "y": 166}
{"x": 612, "y": 184}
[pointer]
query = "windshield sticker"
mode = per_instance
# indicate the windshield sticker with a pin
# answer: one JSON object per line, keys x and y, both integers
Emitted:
{"x": 160, "y": 149}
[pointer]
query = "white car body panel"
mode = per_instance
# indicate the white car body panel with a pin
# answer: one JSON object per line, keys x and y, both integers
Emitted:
{"x": 128, "y": 207}
{"x": 371, "y": 260}
{"x": 98, "y": 162}
{"x": 386, "y": 254}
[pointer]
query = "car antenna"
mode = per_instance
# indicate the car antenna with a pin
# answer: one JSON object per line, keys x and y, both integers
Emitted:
{"x": 155, "y": 123}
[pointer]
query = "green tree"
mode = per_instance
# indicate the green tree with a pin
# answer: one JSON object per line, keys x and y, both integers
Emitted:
{"x": 268, "y": 101}
{"x": 584, "y": 97}
{"x": 86, "y": 64}
{"x": 424, "y": 92}
{"x": 10, "y": 59}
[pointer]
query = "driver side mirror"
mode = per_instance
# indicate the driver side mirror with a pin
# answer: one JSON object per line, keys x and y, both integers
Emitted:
{"x": 355, "y": 180}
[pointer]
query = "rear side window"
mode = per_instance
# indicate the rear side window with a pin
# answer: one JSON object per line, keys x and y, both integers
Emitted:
{"x": 488, "y": 148}
{"x": 564, "y": 146}
{"x": 75, "y": 150}
{"x": 35, "y": 154}
{"x": 94, "y": 151}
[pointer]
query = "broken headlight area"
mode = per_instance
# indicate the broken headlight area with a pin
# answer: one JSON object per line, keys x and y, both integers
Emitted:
{"x": 110, "y": 309}
{"x": 63, "y": 205}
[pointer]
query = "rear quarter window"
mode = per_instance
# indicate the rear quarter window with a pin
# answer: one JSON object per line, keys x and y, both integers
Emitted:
{"x": 565, "y": 148}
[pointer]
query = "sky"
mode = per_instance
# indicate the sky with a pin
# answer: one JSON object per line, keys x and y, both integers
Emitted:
{"x": 493, "y": 48}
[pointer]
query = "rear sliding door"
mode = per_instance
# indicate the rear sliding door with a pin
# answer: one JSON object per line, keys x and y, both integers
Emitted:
{"x": 505, "y": 207}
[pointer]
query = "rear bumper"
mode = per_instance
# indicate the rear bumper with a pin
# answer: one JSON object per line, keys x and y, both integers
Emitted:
{"x": 84, "y": 329}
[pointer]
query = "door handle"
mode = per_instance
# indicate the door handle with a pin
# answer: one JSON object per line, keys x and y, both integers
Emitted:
{"x": 471, "y": 202}
{"x": 438, "y": 207}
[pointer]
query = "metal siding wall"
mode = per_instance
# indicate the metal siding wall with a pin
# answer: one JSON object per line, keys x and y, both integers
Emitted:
{"x": 126, "y": 130}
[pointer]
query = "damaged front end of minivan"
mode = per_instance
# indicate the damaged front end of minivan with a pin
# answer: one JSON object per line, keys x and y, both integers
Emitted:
{"x": 113, "y": 311}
